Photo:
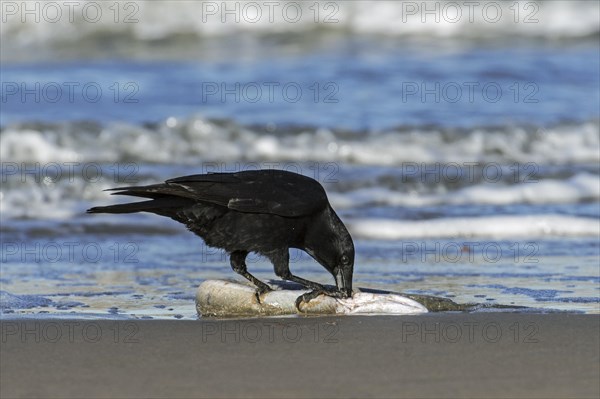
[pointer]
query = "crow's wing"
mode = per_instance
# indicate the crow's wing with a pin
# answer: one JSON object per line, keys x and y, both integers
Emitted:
{"x": 262, "y": 191}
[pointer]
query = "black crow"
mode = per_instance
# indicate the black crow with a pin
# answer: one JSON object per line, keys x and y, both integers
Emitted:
{"x": 262, "y": 211}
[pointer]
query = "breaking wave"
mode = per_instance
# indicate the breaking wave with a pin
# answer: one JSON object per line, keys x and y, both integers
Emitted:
{"x": 196, "y": 140}
{"x": 156, "y": 21}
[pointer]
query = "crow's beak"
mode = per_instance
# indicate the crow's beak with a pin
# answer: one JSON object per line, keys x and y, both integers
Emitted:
{"x": 344, "y": 284}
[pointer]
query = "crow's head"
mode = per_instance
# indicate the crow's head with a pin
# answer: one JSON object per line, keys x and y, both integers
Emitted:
{"x": 329, "y": 242}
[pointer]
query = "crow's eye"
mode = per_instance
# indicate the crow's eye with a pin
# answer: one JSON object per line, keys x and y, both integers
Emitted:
{"x": 345, "y": 260}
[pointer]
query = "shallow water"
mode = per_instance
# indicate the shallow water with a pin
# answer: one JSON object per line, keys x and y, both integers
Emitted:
{"x": 156, "y": 276}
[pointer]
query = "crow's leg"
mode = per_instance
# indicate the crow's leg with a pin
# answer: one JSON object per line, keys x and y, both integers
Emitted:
{"x": 238, "y": 264}
{"x": 281, "y": 262}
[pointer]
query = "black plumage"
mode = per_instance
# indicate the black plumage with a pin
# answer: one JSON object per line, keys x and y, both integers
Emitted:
{"x": 262, "y": 211}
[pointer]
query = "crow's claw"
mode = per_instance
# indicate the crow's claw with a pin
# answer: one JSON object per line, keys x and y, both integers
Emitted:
{"x": 262, "y": 290}
{"x": 334, "y": 293}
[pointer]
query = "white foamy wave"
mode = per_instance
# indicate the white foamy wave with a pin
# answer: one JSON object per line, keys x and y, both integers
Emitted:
{"x": 150, "y": 21}
{"x": 198, "y": 140}
{"x": 581, "y": 187}
{"x": 489, "y": 226}
{"x": 25, "y": 198}
{"x": 35, "y": 146}
{"x": 578, "y": 188}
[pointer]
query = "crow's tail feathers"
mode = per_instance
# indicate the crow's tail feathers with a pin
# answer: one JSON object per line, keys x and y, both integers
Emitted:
{"x": 123, "y": 208}
{"x": 158, "y": 205}
{"x": 164, "y": 198}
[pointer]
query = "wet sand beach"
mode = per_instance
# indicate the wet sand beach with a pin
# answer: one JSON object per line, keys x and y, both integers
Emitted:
{"x": 486, "y": 355}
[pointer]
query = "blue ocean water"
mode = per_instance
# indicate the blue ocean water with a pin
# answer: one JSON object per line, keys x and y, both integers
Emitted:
{"x": 351, "y": 85}
{"x": 465, "y": 161}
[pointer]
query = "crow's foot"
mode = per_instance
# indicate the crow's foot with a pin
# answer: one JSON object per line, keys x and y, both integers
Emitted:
{"x": 262, "y": 289}
{"x": 315, "y": 293}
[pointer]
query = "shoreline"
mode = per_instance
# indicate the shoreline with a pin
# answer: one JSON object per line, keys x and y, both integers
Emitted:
{"x": 433, "y": 355}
